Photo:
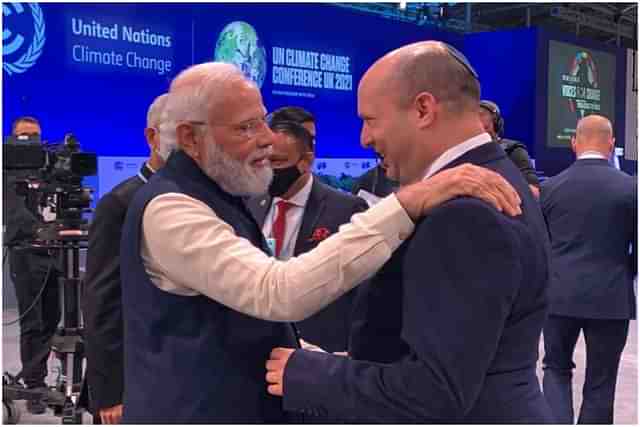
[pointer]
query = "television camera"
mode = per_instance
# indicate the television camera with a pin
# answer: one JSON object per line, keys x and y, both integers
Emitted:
{"x": 49, "y": 178}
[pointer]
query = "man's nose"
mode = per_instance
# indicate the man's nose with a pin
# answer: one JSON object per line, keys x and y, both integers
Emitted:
{"x": 265, "y": 140}
{"x": 365, "y": 137}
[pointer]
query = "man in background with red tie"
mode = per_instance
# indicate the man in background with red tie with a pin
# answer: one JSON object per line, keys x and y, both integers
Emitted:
{"x": 299, "y": 212}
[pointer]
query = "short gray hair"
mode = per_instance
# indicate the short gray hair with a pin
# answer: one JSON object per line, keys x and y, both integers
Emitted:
{"x": 154, "y": 114}
{"x": 193, "y": 94}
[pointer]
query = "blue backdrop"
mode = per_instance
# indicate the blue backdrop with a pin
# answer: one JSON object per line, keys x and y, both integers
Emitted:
{"x": 513, "y": 70}
{"x": 105, "y": 105}
{"x": 93, "y": 69}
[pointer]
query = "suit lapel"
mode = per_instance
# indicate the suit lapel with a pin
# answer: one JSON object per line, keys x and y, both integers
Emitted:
{"x": 312, "y": 212}
{"x": 259, "y": 208}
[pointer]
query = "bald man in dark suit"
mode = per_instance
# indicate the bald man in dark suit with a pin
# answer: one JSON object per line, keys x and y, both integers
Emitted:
{"x": 590, "y": 210}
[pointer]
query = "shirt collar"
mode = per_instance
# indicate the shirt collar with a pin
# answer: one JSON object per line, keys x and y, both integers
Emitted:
{"x": 146, "y": 171}
{"x": 457, "y": 151}
{"x": 300, "y": 198}
{"x": 591, "y": 155}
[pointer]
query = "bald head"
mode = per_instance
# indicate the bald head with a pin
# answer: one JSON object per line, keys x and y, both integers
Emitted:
{"x": 425, "y": 67}
{"x": 594, "y": 126}
{"x": 594, "y": 133}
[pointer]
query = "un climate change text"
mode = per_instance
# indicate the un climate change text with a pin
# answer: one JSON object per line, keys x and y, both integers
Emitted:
{"x": 304, "y": 68}
{"x": 131, "y": 58}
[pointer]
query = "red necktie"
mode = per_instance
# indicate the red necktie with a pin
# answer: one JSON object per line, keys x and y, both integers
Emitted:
{"x": 280, "y": 224}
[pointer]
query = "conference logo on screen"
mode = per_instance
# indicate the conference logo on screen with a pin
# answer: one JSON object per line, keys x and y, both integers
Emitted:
{"x": 23, "y": 36}
{"x": 581, "y": 84}
{"x": 238, "y": 43}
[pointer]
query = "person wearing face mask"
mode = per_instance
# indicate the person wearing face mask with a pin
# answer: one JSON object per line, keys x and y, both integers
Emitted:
{"x": 101, "y": 297}
{"x": 298, "y": 212}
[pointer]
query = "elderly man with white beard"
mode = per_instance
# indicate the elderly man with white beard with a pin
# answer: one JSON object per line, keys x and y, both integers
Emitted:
{"x": 204, "y": 302}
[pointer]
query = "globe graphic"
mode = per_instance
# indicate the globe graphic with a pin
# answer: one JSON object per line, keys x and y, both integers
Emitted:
{"x": 238, "y": 44}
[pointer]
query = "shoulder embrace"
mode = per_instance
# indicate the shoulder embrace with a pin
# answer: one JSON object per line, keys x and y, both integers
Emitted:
{"x": 466, "y": 213}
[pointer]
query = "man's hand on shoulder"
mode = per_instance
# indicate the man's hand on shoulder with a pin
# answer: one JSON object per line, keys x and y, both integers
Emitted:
{"x": 464, "y": 180}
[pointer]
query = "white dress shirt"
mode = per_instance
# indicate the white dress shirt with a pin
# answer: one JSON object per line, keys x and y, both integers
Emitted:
{"x": 592, "y": 155}
{"x": 293, "y": 219}
{"x": 457, "y": 151}
{"x": 188, "y": 250}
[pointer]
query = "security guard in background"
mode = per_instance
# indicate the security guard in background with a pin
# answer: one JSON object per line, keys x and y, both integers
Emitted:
{"x": 494, "y": 125}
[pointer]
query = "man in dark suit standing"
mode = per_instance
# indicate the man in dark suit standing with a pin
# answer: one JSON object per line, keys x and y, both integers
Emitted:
{"x": 455, "y": 321}
{"x": 34, "y": 273}
{"x": 102, "y": 296}
{"x": 590, "y": 210}
{"x": 298, "y": 213}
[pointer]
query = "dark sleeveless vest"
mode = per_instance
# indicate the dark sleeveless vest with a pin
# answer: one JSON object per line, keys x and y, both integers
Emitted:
{"x": 189, "y": 359}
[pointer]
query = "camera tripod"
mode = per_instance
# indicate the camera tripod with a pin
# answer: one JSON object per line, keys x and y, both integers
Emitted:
{"x": 67, "y": 343}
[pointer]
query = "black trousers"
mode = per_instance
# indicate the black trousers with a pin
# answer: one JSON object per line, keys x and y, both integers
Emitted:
{"x": 28, "y": 270}
{"x": 604, "y": 340}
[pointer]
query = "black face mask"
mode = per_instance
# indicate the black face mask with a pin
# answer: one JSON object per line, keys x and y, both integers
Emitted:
{"x": 283, "y": 179}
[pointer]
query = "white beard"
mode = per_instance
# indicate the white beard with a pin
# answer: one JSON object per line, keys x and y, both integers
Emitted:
{"x": 235, "y": 177}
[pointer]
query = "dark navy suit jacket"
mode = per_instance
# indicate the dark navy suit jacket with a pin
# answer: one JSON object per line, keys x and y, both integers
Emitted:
{"x": 590, "y": 210}
{"x": 326, "y": 208}
{"x": 102, "y": 296}
{"x": 452, "y": 325}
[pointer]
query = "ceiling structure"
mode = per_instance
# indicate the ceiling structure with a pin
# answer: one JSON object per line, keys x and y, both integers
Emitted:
{"x": 611, "y": 23}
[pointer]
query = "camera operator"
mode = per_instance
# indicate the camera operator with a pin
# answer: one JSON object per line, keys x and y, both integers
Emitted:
{"x": 34, "y": 274}
{"x": 493, "y": 124}
{"x": 102, "y": 296}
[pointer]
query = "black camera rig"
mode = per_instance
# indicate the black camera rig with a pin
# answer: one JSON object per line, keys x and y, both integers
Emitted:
{"x": 51, "y": 178}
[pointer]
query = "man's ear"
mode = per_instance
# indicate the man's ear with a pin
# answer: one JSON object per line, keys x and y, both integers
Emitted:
{"x": 612, "y": 146}
{"x": 573, "y": 144}
{"x": 188, "y": 140}
{"x": 150, "y": 135}
{"x": 306, "y": 162}
{"x": 425, "y": 106}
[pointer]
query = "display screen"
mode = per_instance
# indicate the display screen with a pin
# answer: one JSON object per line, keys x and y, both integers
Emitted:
{"x": 580, "y": 82}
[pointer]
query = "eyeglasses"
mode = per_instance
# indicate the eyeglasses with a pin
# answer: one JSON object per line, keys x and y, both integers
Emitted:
{"x": 247, "y": 129}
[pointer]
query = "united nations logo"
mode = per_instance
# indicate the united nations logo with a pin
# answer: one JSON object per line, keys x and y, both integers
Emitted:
{"x": 238, "y": 44}
{"x": 18, "y": 28}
